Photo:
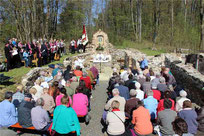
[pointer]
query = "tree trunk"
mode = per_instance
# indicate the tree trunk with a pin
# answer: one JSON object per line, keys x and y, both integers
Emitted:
{"x": 140, "y": 20}
{"x": 201, "y": 46}
{"x": 172, "y": 21}
{"x": 132, "y": 17}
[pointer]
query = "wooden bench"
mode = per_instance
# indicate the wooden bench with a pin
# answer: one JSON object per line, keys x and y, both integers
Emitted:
{"x": 17, "y": 125}
{"x": 79, "y": 116}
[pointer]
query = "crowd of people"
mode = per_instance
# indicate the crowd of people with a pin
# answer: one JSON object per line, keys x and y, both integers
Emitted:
{"x": 61, "y": 94}
{"x": 141, "y": 103}
{"x": 41, "y": 50}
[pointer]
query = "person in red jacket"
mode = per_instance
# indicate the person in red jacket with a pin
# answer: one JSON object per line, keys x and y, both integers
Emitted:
{"x": 156, "y": 93}
{"x": 87, "y": 80}
{"x": 167, "y": 95}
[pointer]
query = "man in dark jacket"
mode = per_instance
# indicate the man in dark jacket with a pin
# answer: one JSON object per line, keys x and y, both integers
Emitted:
{"x": 24, "y": 111}
{"x": 44, "y": 53}
{"x": 67, "y": 74}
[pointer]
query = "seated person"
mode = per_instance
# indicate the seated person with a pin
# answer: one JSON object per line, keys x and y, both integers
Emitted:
{"x": 49, "y": 103}
{"x": 63, "y": 93}
{"x": 70, "y": 90}
{"x": 78, "y": 72}
{"x": 65, "y": 119}
{"x": 131, "y": 104}
{"x": 115, "y": 120}
{"x": 18, "y": 97}
{"x": 180, "y": 127}
{"x": 24, "y": 111}
{"x": 118, "y": 98}
{"x": 38, "y": 88}
{"x": 87, "y": 80}
{"x": 140, "y": 93}
{"x": 162, "y": 87}
{"x": 146, "y": 86}
{"x": 67, "y": 74}
{"x": 124, "y": 91}
{"x": 54, "y": 89}
{"x": 8, "y": 114}
{"x": 151, "y": 104}
{"x": 141, "y": 120}
{"x": 40, "y": 117}
{"x": 190, "y": 116}
{"x": 167, "y": 95}
{"x": 26, "y": 58}
{"x": 166, "y": 117}
{"x": 179, "y": 103}
{"x": 200, "y": 119}
{"x": 80, "y": 103}
{"x": 55, "y": 71}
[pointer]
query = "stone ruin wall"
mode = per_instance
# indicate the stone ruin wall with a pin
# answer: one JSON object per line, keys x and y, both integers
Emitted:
{"x": 188, "y": 77}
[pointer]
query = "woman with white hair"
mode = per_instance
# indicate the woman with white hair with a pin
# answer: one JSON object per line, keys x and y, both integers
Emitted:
{"x": 179, "y": 103}
{"x": 140, "y": 93}
{"x": 115, "y": 120}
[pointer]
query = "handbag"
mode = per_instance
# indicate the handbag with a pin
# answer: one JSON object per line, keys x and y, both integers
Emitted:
{"x": 127, "y": 130}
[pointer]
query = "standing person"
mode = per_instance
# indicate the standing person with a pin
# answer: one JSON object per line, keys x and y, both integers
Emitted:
{"x": 166, "y": 117}
{"x": 79, "y": 45}
{"x": 7, "y": 52}
{"x": 143, "y": 63}
{"x": 8, "y": 114}
{"x": 190, "y": 116}
{"x": 72, "y": 43}
{"x": 24, "y": 111}
{"x": 44, "y": 51}
{"x": 40, "y": 117}
{"x": 39, "y": 55}
{"x": 65, "y": 119}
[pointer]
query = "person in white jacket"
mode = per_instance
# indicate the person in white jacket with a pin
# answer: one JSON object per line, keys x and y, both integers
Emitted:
{"x": 179, "y": 103}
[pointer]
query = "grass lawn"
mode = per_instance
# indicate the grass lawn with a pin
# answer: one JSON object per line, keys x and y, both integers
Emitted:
{"x": 144, "y": 47}
{"x": 17, "y": 75}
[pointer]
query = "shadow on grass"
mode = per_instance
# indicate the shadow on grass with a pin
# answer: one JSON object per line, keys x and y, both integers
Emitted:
{"x": 7, "y": 83}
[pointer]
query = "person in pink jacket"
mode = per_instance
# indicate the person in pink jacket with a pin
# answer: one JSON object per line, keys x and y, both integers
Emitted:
{"x": 59, "y": 97}
{"x": 80, "y": 103}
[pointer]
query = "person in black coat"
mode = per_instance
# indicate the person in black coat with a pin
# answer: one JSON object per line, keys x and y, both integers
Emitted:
{"x": 67, "y": 74}
{"x": 44, "y": 54}
{"x": 7, "y": 51}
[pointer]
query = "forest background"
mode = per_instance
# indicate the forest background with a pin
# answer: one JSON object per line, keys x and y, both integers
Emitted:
{"x": 162, "y": 25}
